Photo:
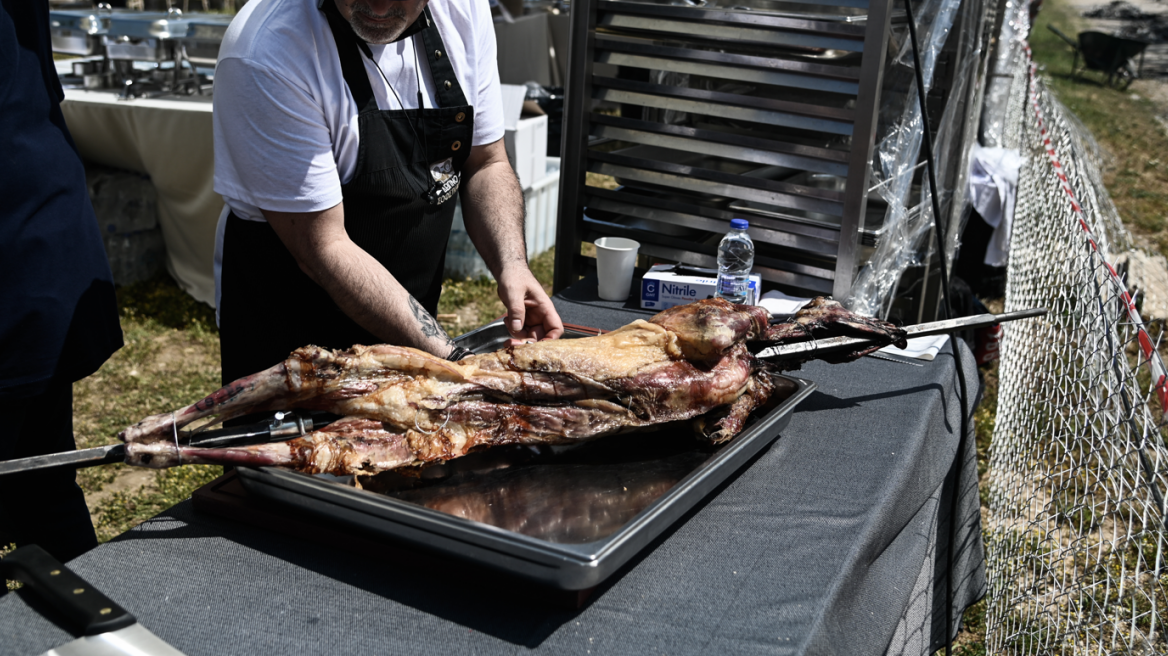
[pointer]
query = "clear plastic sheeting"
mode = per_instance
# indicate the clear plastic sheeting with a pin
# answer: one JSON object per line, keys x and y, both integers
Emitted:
{"x": 1004, "y": 84}
{"x": 896, "y": 160}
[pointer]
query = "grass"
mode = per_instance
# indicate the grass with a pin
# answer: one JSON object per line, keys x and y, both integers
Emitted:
{"x": 170, "y": 359}
{"x": 1123, "y": 122}
{"x": 468, "y": 304}
{"x": 8, "y": 584}
{"x": 971, "y": 639}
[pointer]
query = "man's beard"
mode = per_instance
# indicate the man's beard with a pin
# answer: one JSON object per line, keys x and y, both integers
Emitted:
{"x": 373, "y": 32}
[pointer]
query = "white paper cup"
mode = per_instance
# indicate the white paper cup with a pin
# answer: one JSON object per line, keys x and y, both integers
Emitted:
{"x": 616, "y": 257}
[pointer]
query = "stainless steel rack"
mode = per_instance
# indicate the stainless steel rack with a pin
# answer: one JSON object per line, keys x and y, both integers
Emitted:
{"x": 707, "y": 113}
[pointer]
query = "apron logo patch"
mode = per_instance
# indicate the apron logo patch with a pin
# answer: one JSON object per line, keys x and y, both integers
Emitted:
{"x": 446, "y": 181}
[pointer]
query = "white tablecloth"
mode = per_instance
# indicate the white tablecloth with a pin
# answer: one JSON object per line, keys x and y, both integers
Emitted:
{"x": 168, "y": 139}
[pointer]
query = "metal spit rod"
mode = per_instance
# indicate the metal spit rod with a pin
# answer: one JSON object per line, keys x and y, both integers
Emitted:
{"x": 287, "y": 425}
{"x": 817, "y": 347}
{"x": 282, "y": 425}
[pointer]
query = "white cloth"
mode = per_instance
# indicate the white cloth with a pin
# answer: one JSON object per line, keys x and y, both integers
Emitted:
{"x": 780, "y": 304}
{"x": 286, "y": 135}
{"x": 169, "y": 140}
{"x": 921, "y": 348}
{"x": 993, "y": 187}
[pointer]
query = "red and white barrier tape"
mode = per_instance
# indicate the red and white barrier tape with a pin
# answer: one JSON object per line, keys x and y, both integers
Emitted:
{"x": 1151, "y": 357}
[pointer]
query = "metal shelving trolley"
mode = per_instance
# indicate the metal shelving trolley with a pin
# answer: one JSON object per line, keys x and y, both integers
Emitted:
{"x": 702, "y": 111}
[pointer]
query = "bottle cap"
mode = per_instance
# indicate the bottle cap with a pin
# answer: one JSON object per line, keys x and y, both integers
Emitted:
{"x": 739, "y": 224}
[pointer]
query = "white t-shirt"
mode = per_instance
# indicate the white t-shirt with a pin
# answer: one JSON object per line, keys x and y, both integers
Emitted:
{"x": 285, "y": 123}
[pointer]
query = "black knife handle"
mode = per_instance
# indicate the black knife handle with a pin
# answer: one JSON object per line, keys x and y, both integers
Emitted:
{"x": 88, "y": 609}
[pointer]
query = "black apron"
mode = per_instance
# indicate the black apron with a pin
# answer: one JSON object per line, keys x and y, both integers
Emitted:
{"x": 394, "y": 210}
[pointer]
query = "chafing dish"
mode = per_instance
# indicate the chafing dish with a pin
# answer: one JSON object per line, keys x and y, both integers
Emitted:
{"x": 149, "y": 25}
{"x": 79, "y": 31}
{"x": 142, "y": 52}
{"x": 144, "y": 36}
{"x": 127, "y": 47}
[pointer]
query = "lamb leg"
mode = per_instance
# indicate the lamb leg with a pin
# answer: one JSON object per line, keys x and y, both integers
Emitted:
{"x": 759, "y": 394}
{"x": 311, "y": 378}
{"x": 826, "y": 318}
{"x": 235, "y": 399}
{"x": 349, "y": 446}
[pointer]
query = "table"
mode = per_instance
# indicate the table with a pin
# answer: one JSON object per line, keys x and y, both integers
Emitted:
{"x": 170, "y": 140}
{"x": 832, "y": 541}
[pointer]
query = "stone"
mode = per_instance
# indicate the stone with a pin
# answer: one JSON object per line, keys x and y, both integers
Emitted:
{"x": 1146, "y": 275}
{"x": 126, "y": 206}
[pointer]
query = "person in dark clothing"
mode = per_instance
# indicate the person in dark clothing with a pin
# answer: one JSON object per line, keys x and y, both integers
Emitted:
{"x": 59, "y": 320}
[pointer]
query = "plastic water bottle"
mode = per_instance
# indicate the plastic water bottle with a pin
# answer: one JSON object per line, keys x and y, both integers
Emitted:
{"x": 735, "y": 260}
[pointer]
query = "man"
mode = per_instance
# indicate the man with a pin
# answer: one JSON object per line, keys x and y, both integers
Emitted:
{"x": 340, "y": 192}
{"x": 58, "y": 312}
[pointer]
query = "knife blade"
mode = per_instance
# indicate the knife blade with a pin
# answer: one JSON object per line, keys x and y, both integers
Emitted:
{"x": 106, "y": 628}
{"x": 100, "y": 455}
{"x": 818, "y": 347}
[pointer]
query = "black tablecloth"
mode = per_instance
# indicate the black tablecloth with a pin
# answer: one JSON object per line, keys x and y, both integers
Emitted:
{"x": 832, "y": 541}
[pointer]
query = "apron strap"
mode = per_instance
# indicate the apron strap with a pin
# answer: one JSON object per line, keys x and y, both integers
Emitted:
{"x": 348, "y": 49}
{"x": 448, "y": 90}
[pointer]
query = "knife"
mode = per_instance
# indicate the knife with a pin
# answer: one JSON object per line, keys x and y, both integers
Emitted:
{"x": 106, "y": 628}
{"x": 818, "y": 347}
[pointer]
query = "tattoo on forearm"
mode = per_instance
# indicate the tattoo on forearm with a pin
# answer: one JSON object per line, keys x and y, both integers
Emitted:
{"x": 429, "y": 326}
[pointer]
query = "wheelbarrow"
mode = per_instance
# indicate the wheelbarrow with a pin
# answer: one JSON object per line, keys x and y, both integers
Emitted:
{"x": 1107, "y": 54}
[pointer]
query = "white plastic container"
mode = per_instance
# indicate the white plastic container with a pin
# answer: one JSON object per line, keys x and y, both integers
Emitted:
{"x": 135, "y": 256}
{"x": 542, "y": 199}
{"x": 126, "y": 207}
{"x": 526, "y": 146}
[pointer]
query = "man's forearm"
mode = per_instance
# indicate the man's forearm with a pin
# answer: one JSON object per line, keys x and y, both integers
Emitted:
{"x": 358, "y": 283}
{"x": 492, "y": 209}
{"x": 372, "y": 297}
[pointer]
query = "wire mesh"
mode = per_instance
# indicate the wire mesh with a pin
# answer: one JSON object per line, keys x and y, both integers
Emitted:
{"x": 1078, "y": 464}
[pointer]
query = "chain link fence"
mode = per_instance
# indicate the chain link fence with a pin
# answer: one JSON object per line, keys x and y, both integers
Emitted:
{"x": 1078, "y": 462}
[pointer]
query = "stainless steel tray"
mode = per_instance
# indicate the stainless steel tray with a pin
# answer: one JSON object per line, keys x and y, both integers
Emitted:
{"x": 564, "y": 517}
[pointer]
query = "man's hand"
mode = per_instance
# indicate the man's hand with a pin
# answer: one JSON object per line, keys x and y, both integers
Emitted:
{"x": 492, "y": 208}
{"x": 530, "y": 313}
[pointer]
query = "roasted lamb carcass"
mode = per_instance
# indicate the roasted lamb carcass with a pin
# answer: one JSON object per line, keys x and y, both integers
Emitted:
{"x": 404, "y": 407}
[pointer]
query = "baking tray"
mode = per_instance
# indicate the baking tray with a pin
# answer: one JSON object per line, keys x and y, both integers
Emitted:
{"x": 566, "y": 517}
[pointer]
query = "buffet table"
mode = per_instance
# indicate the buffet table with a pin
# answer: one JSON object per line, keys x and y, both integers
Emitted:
{"x": 168, "y": 139}
{"x": 832, "y": 541}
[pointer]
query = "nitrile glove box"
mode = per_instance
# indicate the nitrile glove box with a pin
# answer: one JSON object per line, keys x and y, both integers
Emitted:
{"x": 667, "y": 285}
